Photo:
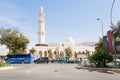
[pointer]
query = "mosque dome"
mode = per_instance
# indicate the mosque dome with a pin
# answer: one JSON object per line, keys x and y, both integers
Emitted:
{"x": 70, "y": 40}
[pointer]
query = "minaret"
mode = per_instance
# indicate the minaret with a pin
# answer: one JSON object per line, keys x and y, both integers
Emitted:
{"x": 41, "y": 29}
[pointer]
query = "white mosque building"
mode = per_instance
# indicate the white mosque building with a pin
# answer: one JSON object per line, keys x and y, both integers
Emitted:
{"x": 42, "y": 48}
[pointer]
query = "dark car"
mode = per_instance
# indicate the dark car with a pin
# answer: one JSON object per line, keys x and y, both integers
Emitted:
{"x": 42, "y": 60}
{"x": 55, "y": 61}
{"x": 72, "y": 61}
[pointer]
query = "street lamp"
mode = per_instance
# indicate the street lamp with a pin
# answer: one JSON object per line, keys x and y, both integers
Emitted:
{"x": 111, "y": 13}
{"x": 99, "y": 19}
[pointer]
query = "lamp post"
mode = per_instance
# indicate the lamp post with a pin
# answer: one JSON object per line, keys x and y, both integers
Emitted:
{"x": 111, "y": 11}
{"x": 99, "y": 19}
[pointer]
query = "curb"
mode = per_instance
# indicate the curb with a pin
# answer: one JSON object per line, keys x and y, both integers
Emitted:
{"x": 100, "y": 69}
{"x": 6, "y": 68}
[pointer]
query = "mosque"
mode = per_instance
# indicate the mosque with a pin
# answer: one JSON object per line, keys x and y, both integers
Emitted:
{"x": 54, "y": 50}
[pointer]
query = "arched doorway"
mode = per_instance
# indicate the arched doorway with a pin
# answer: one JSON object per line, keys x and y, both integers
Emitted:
{"x": 40, "y": 53}
{"x": 45, "y": 53}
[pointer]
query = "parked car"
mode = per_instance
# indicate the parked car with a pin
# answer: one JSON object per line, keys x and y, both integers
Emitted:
{"x": 55, "y": 61}
{"x": 42, "y": 60}
{"x": 72, "y": 61}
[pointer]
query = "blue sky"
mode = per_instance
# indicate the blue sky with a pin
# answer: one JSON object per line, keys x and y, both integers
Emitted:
{"x": 64, "y": 18}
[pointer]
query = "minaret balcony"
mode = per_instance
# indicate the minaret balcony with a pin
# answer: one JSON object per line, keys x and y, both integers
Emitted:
{"x": 41, "y": 14}
{"x": 41, "y": 33}
{"x": 41, "y": 21}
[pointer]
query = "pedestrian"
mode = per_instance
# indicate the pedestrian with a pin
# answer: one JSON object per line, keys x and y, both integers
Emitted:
{"x": 79, "y": 61}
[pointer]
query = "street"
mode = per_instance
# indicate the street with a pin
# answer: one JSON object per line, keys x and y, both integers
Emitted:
{"x": 54, "y": 71}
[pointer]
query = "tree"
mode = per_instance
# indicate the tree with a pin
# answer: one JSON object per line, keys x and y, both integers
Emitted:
{"x": 87, "y": 53}
{"x": 68, "y": 52}
{"x": 32, "y": 50}
{"x": 61, "y": 55}
{"x": 56, "y": 55}
{"x": 116, "y": 32}
{"x": 50, "y": 53}
{"x": 13, "y": 39}
{"x": 100, "y": 56}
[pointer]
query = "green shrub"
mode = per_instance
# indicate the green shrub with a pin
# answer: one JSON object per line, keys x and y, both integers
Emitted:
{"x": 2, "y": 64}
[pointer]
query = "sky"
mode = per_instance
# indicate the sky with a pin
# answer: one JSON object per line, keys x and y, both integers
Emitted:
{"x": 64, "y": 18}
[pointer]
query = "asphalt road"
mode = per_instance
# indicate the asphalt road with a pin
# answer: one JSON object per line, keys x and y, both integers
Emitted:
{"x": 54, "y": 72}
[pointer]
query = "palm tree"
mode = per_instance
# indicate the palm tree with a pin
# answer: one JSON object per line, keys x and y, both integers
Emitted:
{"x": 50, "y": 53}
{"x": 68, "y": 52}
{"x": 32, "y": 50}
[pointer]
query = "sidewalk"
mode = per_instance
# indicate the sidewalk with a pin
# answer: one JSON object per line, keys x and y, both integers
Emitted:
{"x": 6, "y": 68}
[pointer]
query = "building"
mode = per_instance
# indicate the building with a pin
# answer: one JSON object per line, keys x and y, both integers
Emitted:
{"x": 3, "y": 51}
{"x": 56, "y": 49}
